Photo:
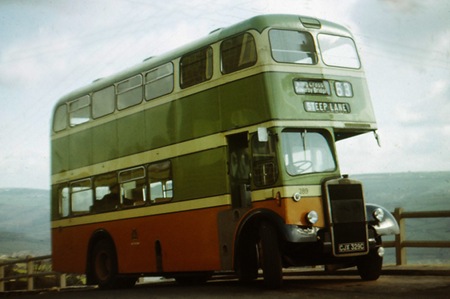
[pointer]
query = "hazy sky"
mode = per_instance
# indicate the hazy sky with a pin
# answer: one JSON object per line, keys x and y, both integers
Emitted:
{"x": 48, "y": 48}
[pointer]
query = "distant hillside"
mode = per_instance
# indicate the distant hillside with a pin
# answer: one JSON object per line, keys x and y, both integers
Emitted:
{"x": 25, "y": 213}
{"x": 24, "y": 221}
{"x": 425, "y": 191}
{"x": 412, "y": 191}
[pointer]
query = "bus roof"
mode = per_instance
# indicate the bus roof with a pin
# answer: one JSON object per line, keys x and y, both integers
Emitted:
{"x": 258, "y": 23}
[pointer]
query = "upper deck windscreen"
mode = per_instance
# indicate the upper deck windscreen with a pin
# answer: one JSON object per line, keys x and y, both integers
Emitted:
{"x": 338, "y": 51}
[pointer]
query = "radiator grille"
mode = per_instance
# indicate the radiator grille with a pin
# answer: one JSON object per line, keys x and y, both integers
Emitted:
{"x": 347, "y": 217}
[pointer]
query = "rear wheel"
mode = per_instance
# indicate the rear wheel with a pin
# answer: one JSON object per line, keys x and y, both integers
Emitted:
{"x": 270, "y": 256}
{"x": 104, "y": 264}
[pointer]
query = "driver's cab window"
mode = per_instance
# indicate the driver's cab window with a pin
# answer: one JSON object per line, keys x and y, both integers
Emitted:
{"x": 306, "y": 152}
{"x": 264, "y": 163}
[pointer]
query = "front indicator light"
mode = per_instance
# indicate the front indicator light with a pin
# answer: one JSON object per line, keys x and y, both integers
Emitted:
{"x": 378, "y": 214}
{"x": 312, "y": 217}
{"x": 296, "y": 197}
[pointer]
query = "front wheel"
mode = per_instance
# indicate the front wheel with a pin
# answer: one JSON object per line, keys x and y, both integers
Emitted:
{"x": 370, "y": 266}
{"x": 247, "y": 268}
{"x": 270, "y": 256}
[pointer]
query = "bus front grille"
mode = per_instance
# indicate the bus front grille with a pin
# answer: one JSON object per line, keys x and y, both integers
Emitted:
{"x": 347, "y": 217}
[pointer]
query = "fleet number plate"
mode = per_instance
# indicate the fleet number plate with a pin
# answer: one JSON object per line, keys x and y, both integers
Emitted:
{"x": 351, "y": 247}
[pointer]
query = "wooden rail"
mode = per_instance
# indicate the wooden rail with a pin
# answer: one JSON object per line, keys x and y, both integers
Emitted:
{"x": 32, "y": 272}
{"x": 400, "y": 244}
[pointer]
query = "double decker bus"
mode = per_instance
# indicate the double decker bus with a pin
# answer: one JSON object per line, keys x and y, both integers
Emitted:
{"x": 218, "y": 157}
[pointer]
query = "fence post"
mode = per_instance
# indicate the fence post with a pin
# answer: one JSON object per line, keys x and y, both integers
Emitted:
{"x": 30, "y": 272}
{"x": 2, "y": 275}
{"x": 400, "y": 250}
{"x": 62, "y": 280}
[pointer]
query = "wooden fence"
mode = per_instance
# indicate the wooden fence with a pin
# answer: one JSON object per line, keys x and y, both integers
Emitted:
{"x": 33, "y": 266}
{"x": 28, "y": 270}
{"x": 400, "y": 244}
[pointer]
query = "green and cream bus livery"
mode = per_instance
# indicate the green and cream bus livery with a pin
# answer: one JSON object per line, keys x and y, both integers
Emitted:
{"x": 218, "y": 157}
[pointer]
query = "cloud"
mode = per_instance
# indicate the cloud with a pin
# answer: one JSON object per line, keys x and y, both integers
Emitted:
{"x": 405, "y": 47}
{"x": 52, "y": 47}
{"x": 25, "y": 167}
{"x": 404, "y": 5}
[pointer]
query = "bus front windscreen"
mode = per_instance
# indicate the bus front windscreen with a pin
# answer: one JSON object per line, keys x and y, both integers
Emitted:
{"x": 306, "y": 152}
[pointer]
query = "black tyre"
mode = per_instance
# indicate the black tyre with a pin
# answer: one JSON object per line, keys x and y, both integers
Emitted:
{"x": 247, "y": 267}
{"x": 270, "y": 256}
{"x": 370, "y": 266}
{"x": 104, "y": 265}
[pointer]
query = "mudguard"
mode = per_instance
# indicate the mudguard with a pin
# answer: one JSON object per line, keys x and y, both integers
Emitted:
{"x": 388, "y": 226}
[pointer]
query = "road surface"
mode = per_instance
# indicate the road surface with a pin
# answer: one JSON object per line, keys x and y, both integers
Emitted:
{"x": 296, "y": 285}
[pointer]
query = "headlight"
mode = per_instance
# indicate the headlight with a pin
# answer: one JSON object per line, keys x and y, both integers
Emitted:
{"x": 378, "y": 214}
{"x": 343, "y": 89}
{"x": 312, "y": 217}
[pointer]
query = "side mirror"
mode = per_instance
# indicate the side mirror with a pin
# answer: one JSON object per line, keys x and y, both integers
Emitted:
{"x": 263, "y": 135}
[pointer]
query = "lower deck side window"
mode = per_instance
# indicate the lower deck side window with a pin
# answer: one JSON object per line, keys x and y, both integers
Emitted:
{"x": 160, "y": 181}
{"x": 134, "y": 187}
{"x": 81, "y": 196}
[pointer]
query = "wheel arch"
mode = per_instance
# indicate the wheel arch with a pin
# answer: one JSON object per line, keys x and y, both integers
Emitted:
{"x": 249, "y": 226}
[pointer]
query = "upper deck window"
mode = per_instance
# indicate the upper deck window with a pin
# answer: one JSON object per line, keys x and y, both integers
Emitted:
{"x": 80, "y": 111}
{"x": 103, "y": 102}
{"x": 238, "y": 52}
{"x": 129, "y": 92}
{"x": 196, "y": 67}
{"x": 338, "y": 51}
{"x": 60, "y": 118}
{"x": 159, "y": 81}
{"x": 292, "y": 46}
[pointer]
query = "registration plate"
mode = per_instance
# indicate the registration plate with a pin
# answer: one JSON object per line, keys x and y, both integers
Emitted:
{"x": 351, "y": 247}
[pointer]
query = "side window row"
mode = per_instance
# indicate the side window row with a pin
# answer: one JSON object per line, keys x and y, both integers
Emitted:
{"x": 130, "y": 92}
{"x": 237, "y": 53}
{"x": 135, "y": 187}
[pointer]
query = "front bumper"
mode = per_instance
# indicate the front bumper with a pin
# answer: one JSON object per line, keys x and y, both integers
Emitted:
{"x": 297, "y": 234}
